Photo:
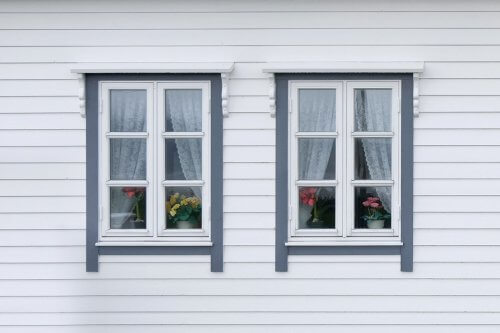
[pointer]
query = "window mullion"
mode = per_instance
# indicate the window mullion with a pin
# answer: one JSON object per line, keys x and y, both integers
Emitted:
{"x": 345, "y": 165}
{"x": 155, "y": 149}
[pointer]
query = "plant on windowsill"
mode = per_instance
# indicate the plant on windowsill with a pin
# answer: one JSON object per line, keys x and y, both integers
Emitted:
{"x": 137, "y": 220}
{"x": 375, "y": 213}
{"x": 321, "y": 214}
{"x": 184, "y": 212}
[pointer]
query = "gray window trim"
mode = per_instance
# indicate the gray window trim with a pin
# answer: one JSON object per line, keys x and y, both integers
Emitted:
{"x": 92, "y": 111}
{"x": 406, "y": 250}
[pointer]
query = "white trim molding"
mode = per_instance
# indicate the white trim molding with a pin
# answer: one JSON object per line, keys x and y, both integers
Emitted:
{"x": 225, "y": 93}
{"x": 272, "y": 95}
{"x": 81, "y": 94}
{"x": 163, "y": 67}
{"x": 416, "y": 94}
{"x": 344, "y": 67}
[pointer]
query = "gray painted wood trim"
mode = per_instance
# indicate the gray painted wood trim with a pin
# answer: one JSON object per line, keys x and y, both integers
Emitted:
{"x": 92, "y": 198}
{"x": 344, "y": 250}
{"x": 92, "y": 174}
{"x": 154, "y": 250}
{"x": 281, "y": 252}
{"x": 406, "y": 250}
{"x": 407, "y": 174}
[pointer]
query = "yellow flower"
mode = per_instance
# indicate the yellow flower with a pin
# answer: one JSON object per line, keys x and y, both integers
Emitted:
{"x": 173, "y": 211}
{"x": 184, "y": 202}
{"x": 195, "y": 202}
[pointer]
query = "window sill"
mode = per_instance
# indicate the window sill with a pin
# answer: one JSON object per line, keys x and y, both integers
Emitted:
{"x": 345, "y": 243}
{"x": 153, "y": 244}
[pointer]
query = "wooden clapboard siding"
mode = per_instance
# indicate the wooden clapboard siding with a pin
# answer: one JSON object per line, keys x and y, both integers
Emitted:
{"x": 43, "y": 283}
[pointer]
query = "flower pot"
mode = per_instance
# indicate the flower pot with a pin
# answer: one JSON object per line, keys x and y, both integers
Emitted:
{"x": 184, "y": 225}
{"x": 315, "y": 223}
{"x": 134, "y": 224}
{"x": 375, "y": 224}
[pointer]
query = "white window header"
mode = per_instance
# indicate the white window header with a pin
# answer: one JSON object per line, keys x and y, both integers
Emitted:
{"x": 344, "y": 67}
{"x": 160, "y": 67}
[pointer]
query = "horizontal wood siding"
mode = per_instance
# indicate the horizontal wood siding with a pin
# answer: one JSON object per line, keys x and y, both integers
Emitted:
{"x": 455, "y": 283}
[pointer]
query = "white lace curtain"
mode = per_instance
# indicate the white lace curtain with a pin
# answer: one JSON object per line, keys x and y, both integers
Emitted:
{"x": 183, "y": 108}
{"x": 373, "y": 114}
{"x": 128, "y": 156}
{"x": 316, "y": 113}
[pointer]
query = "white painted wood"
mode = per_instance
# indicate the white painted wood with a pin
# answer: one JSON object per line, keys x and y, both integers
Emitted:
{"x": 81, "y": 94}
{"x": 172, "y": 67}
{"x": 241, "y": 19}
{"x": 42, "y": 168}
{"x": 344, "y": 67}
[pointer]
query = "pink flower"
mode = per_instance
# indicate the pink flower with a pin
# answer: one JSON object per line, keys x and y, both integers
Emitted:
{"x": 375, "y": 205}
{"x": 366, "y": 203}
{"x": 132, "y": 191}
{"x": 307, "y": 196}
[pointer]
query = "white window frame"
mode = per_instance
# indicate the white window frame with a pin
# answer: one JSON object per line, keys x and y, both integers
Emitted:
{"x": 155, "y": 169}
{"x": 205, "y": 159}
{"x": 294, "y": 160}
{"x": 344, "y": 232}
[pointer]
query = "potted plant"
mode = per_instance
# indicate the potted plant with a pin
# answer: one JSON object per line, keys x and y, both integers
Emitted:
{"x": 184, "y": 212}
{"x": 321, "y": 213}
{"x": 135, "y": 219}
{"x": 376, "y": 214}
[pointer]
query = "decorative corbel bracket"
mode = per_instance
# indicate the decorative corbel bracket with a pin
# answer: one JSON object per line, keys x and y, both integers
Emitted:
{"x": 416, "y": 95}
{"x": 225, "y": 94}
{"x": 272, "y": 95}
{"x": 81, "y": 94}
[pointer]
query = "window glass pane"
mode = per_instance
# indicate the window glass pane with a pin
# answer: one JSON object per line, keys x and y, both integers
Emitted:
{"x": 183, "y": 159}
{"x": 183, "y": 110}
{"x": 128, "y": 207}
{"x": 372, "y": 207}
{"x": 128, "y": 110}
{"x": 317, "y": 110}
{"x": 128, "y": 159}
{"x": 316, "y": 159}
{"x": 316, "y": 207}
{"x": 372, "y": 158}
{"x": 372, "y": 109}
{"x": 183, "y": 207}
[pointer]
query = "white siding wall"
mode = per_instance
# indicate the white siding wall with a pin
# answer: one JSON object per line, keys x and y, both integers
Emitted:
{"x": 456, "y": 282}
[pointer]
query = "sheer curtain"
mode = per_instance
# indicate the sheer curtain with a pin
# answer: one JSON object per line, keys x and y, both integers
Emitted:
{"x": 128, "y": 156}
{"x": 373, "y": 114}
{"x": 316, "y": 114}
{"x": 183, "y": 108}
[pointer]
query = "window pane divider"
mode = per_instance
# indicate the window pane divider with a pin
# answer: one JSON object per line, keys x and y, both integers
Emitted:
{"x": 127, "y": 183}
{"x": 183, "y": 134}
{"x": 372, "y": 182}
{"x": 127, "y": 134}
{"x": 372, "y": 134}
{"x": 316, "y": 182}
{"x": 316, "y": 134}
{"x": 183, "y": 183}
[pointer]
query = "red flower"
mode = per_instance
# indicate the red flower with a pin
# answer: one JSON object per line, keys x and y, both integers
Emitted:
{"x": 132, "y": 191}
{"x": 307, "y": 196}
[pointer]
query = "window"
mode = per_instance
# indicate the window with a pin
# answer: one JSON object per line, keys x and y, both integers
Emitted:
{"x": 155, "y": 163}
{"x": 344, "y": 165}
{"x": 344, "y": 185}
